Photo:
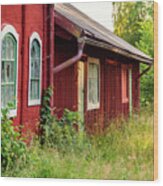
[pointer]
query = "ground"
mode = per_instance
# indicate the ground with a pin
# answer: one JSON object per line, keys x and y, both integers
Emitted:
{"x": 124, "y": 151}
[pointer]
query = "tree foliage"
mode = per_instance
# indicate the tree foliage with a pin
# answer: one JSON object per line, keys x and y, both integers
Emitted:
{"x": 133, "y": 21}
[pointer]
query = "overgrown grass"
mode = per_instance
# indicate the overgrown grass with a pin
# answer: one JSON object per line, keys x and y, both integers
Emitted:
{"x": 124, "y": 151}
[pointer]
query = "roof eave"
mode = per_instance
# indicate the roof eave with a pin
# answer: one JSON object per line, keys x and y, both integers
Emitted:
{"x": 78, "y": 32}
{"x": 120, "y": 51}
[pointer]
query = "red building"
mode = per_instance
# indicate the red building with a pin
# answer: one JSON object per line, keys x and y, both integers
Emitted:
{"x": 92, "y": 70}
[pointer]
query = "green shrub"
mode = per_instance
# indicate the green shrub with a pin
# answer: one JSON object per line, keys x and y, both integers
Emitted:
{"x": 13, "y": 147}
{"x": 70, "y": 118}
{"x": 64, "y": 133}
{"x": 46, "y": 119}
{"x": 65, "y": 138}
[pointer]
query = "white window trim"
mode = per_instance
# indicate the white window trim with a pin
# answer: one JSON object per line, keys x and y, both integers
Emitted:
{"x": 9, "y": 29}
{"x": 36, "y": 36}
{"x": 93, "y": 106}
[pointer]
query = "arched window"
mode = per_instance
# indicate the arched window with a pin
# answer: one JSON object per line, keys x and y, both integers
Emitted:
{"x": 9, "y": 48}
{"x": 35, "y": 70}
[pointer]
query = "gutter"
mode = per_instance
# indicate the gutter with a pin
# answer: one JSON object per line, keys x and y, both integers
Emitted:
{"x": 74, "y": 59}
{"x": 98, "y": 43}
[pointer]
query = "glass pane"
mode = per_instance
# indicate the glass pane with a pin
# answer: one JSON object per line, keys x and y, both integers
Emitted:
{"x": 37, "y": 48}
{"x": 90, "y": 70}
{"x": 37, "y": 68}
{"x": 9, "y": 48}
{"x": 32, "y": 68}
{"x": 3, "y": 97}
{"x": 35, "y": 60}
{"x": 90, "y": 91}
{"x": 9, "y": 94}
{"x": 93, "y": 83}
{"x": 3, "y": 49}
{"x": 9, "y": 71}
{"x": 3, "y": 72}
{"x": 34, "y": 90}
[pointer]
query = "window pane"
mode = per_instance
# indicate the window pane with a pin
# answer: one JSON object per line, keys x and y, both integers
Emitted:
{"x": 3, "y": 97}
{"x": 3, "y": 49}
{"x": 9, "y": 71}
{"x": 37, "y": 68}
{"x": 3, "y": 72}
{"x": 9, "y": 94}
{"x": 34, "y": 89}
{"x": 93, "y": 83}
{"x": 9, "y": 48}
{"x": 35, "y": 71}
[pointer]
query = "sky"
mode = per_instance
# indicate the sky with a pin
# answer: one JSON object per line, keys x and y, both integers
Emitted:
{"x": 99, "y": 11}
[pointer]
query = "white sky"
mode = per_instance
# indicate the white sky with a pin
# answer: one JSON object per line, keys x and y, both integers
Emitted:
{"x": 99, "y": 11}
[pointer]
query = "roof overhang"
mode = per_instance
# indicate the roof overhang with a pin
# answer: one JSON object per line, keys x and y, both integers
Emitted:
{"x": 90, "y": 39}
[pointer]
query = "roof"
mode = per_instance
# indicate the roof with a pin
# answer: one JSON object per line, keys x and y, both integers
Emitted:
{"x": 95, "y": 34}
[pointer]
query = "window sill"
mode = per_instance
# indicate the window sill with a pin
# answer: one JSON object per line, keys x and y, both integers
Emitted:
{"x": 34, "y": 103}
{"x": 93, "y": 107}
{"x": 13, "y": 113}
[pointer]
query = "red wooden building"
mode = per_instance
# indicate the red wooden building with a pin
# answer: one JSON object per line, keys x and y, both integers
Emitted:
{"x": 92, "y": 70}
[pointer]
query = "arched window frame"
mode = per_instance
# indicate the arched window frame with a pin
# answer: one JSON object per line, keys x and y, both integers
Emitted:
{"x": 34, "y": 36}
{"x": 9, "y": 29}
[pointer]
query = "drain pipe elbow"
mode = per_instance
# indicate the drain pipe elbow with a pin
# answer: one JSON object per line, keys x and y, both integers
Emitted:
{"x": 74, "y": 59}
{"x": 145, "y": 71}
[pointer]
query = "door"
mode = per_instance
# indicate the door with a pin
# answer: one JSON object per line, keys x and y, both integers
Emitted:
{"x": 81, "y": 89}
{"x": 112, "y": 95}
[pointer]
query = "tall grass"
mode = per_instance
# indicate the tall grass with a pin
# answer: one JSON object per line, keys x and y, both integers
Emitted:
{"x": 124, "y": 151}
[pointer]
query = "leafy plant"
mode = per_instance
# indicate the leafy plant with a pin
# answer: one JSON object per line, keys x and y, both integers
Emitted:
{"x": 46, "y": 118}
{"x": 124, "y": 151}
{"x": 58, "y": 133}
{"x": 13, "y": 147}
{"x": 65, "y": 134}
{"x": 70, "y": 118}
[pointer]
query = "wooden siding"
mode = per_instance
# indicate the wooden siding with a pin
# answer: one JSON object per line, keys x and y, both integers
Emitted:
{"x": 65, "y": 82}
{"x": 27, "y": 19}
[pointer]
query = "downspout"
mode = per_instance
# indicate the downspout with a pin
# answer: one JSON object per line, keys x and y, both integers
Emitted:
{"x": 22, "y": 62}
{"x": 141, "y": 74}
{"x": 74, "y": 59}
{"x": 144, "y": 71}
{"x": 51, "y": 49}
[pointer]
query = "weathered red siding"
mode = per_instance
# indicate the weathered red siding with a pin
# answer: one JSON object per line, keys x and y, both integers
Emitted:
{"x": 12, "y": 15}
{"x": 28, "y": 19}
{"x": 135, "y": 86}
{"x": 113, "y": 97}
{"x": 65, "y": 82}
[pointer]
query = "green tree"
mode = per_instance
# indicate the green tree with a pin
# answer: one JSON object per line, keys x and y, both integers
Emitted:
{"x": 133, "y": 21}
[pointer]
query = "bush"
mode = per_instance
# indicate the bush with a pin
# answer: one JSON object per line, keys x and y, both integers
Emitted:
{"x": 46, "y": 119}
{"x": 13, "y": 147}
{"x": 63, "y": 136}
{"x": 65, "y": 133}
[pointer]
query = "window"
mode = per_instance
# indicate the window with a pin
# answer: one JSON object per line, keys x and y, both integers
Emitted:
{"x": 124, "y": 75}
{"x": 93, "y": 83}
{"x": 35, "y": 70}
{"x": 9, "y": 48}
